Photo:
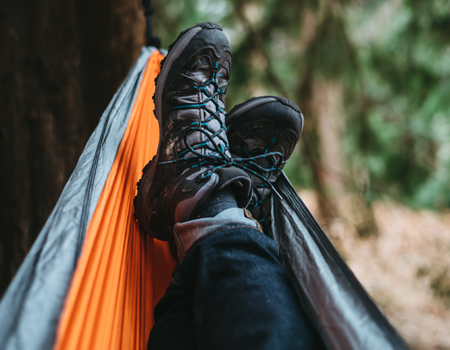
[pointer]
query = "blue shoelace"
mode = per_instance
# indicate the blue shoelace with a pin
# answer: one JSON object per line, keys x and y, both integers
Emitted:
{"x": 218, "y": 158}
{"x": 263, "y": 173}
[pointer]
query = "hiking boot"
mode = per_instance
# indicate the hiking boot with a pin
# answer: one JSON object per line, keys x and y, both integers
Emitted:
{"x": 193, "y": 157}
{"x": 263, "y": 132}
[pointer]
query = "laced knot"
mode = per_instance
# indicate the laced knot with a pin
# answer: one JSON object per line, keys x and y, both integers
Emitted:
{"x": 214, "y": 145}
{"x": 250, "y": 165}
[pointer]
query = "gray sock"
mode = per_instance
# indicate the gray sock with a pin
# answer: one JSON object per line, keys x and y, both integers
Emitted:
{"x": 218, "y": 201}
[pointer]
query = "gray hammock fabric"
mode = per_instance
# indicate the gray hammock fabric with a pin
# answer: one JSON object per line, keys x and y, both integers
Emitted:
{"x": 337, "y": 304}
{"x": 32, "y": 304}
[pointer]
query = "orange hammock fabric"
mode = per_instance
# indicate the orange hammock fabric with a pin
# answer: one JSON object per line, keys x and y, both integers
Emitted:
{"x": 121, "y": 273}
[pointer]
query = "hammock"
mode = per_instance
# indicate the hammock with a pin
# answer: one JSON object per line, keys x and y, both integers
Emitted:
{"x": 91, "y": 279}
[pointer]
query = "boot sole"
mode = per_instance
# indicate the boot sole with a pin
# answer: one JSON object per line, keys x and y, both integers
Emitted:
{"x": 246, "y": 106}
{"x": 144, "y": 185}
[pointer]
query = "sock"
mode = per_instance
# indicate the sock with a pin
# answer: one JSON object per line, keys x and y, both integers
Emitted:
{"x": 217, "y": 202}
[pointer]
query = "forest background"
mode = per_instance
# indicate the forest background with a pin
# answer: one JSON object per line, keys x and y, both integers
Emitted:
{"x": 372, "y": 79}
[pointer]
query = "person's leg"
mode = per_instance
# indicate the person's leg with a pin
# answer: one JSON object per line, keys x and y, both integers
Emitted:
{"x": 232, "y": 292}
{"x": 229, "y": 288}
{"x": 174, "y": 327}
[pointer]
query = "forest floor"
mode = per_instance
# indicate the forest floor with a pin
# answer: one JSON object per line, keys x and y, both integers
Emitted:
{"x": 405, "y": 267}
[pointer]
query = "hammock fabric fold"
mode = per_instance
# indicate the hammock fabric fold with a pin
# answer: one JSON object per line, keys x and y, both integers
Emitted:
{"x": 337, "y": 304}
{"x": 121, "y": 273}
{"x": 92, "y": 279}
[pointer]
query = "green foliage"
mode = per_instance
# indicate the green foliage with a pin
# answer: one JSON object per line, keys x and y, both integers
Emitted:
{"x": 392, "y": 58}
{"x": 405, "y": 73}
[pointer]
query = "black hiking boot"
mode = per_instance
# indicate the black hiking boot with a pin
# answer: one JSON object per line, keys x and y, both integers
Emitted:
{"x": 193, "y": 157}
{"x": 263, "y": 132}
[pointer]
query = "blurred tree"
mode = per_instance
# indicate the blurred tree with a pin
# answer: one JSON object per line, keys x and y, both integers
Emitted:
{"x": 400, "y": 128}
{"x": 60, "y": 64}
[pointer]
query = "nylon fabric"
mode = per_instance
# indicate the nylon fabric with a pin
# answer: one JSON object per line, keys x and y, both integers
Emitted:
{"x": 335, "y": 301}
{"x": 121, "y": 273}
{"x": 32, "y": 304}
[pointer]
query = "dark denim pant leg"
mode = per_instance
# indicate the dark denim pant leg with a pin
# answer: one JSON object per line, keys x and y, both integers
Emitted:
{"x": 174, "y": 327}
{"x": 231, "y": 292}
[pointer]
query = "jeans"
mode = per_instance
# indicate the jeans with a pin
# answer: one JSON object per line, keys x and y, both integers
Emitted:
{"x": 231, "y": 292}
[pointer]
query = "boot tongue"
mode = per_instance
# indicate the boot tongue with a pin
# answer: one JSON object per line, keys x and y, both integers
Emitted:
{"x": 201, "y": 74}
{"x": 264, "y": 162}
{"x": 201, "y": 71}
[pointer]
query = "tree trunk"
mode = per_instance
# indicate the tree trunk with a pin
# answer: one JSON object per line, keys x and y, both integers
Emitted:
{"x": 327, "y": 105}
{"x": 334, "y": 198}
{"x": 60, "y": 64}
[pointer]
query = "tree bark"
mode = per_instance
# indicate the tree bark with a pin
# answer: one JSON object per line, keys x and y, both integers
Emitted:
{"x": 60, "y": 64}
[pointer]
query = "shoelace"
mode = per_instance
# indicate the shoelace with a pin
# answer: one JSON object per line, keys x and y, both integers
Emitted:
{"x": 263, "y": 173}
{"x": 217, "y": 158}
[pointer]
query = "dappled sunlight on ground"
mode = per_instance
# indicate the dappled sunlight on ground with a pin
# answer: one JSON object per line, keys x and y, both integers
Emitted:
{"x": 405, "y": 267}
